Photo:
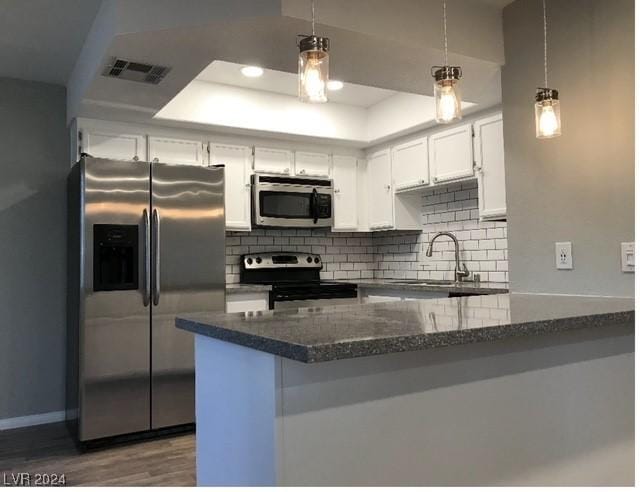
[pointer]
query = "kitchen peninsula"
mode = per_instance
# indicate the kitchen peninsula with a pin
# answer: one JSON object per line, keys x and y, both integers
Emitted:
{"x": 513, "y": 389}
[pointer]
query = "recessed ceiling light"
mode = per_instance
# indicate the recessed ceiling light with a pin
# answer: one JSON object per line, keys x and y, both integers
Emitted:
{"x": 335, "y": 85}
{"x": 251, "y": 71}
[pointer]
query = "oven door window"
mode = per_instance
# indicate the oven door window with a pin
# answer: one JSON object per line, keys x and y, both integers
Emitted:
{"x": 286, "y": 205}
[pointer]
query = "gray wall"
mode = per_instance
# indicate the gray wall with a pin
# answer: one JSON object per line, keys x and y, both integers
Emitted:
{"x": 34, "y": 161}
{"x": 579, "y": 187}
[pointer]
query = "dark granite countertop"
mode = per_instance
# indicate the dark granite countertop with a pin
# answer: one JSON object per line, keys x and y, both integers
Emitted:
{"x": 317, "y": 334}
{"x": 425, "y": 286}
{"x": 246, "y": 288}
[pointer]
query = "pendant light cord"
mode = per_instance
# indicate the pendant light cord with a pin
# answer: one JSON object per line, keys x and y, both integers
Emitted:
{"x": 313, "y": 18}
{"x": 444, "y": 23}
{"x": 544, "y": 16}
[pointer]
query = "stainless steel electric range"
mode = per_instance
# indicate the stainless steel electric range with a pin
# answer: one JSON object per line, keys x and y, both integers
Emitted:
{"x": 295, "y": 280}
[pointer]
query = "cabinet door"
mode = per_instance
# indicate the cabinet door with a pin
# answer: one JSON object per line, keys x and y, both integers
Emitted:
{"x": 380, "y": 193}
{"x": 345, "y": 193}
{"x": 175, "y": 151}
{"x": 451, "y": 154}
{"x": 312, "y": 164}
{"x": 112, "y": 145}
{"x": 272, "y": 161}
{"x": 237, "y": 184}
{"x": 489, "y": 152}
{"x": 410, "y": 164}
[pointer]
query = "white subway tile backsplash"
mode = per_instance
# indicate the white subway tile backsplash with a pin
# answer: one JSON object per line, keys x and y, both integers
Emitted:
{"x": 487, "y": 244}
{"x": 483, "y": 244}
{"x": 497, "y": 277}
{"x": 393, "y": 255}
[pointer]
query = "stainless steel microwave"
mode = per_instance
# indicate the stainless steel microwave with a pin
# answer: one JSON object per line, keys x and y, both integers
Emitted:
{"x": 284, "y": 201}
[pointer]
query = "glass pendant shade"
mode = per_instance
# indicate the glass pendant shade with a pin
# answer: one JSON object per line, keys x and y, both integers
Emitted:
{"x": 547, "y": 108}
{"x": 313, "y": 69}
{"x": 446, "y": 90}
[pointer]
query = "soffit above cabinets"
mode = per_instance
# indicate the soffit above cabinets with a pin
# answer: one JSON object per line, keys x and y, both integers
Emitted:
{"x": 222, "y": 97}
{"x": 228, "y": 73}
{"x": 368, "y": 47}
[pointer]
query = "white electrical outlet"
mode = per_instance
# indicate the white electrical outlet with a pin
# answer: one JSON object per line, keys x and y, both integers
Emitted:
{"x": 564, "y": 257}
{"x": 628, "y": 257}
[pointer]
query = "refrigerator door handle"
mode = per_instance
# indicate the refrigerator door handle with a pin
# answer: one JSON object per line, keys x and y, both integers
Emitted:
{"x": 156, "y": 257}
{"x": 147, "y": 259}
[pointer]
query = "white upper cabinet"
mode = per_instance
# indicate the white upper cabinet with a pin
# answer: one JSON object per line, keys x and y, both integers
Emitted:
{"x": 237, "y": 183}
{"x": 410, "y": 161}
{"x": 176, "y": 151}
{"x": 345, "y": 193}
{"x": 114, "y": 145}
{"x": 451, "y": 154}
{"x": 489, "y": 152}
{"x": 380, "y": 192}
{"x": 272, "y": 161}
{"x": 312, "y": 164}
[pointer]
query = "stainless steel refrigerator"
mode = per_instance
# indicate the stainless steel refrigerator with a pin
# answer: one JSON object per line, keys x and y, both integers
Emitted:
{"x": 146, "y": 244}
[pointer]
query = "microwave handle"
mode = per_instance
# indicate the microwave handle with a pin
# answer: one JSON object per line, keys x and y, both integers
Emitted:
{"x": 314, "y": 205}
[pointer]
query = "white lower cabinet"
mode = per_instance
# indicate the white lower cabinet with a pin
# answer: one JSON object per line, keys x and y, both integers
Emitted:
{"x": 345, "y": 193}
{"x": 113, "y": 145}
{"x": 451, "y": 154}
{"x": 489, "y": 154}
{"x": 237, "y": 183}
{"x": 248, "y": 301}
{"x": 176, "y": 151}
{"x": 380, "y": 190}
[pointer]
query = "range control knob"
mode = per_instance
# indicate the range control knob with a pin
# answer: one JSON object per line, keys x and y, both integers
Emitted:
{"x": 258, "y": 260}
{"x": 317, "y": 260}
{"x": 309, "y": 260}
{"x": 249, "y": 261}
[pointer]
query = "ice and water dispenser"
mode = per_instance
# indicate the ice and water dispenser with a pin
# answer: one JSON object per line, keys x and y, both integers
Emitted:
{"x": 115, "y": 257}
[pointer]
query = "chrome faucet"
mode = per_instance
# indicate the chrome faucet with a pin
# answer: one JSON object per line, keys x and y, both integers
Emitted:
{"x": 461, "y": 270}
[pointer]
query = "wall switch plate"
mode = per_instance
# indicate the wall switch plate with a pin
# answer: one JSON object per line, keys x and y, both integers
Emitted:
{"x": 564, "y": 257}
{"x": 628, "y": 257}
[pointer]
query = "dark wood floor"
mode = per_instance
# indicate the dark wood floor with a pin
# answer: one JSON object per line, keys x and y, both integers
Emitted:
{"x": 50, "y": 449}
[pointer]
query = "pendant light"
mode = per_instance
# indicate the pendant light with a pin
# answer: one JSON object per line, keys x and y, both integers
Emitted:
{"x": 446, "y": 87}
{"x": 313, "y": 64}
{"x": 547, "y": 105}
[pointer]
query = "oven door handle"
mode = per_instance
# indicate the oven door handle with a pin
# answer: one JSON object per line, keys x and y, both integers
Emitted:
{"x": 314, "y": 206}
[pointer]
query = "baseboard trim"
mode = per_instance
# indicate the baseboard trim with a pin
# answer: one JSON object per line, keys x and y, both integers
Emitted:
{"x": 29, "y": 420}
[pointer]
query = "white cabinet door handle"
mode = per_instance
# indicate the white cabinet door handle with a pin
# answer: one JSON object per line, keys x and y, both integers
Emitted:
{"x": 302, "y": 171}
{"x": 337, "y": 190}
{"x": 388, "y": 187}
{"x": 286, "y": 170}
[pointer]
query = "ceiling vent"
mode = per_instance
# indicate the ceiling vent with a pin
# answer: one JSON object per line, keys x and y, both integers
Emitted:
{"x": 135, "y": 71}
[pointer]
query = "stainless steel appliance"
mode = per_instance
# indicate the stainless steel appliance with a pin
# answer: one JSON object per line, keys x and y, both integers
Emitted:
{"x": 295, "y": 280}
{"x": 146, "y": 244}
{"x": 283, "y": 201}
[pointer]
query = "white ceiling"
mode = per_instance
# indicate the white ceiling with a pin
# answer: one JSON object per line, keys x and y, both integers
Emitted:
{"x": 41, "y": 39}
{"x": 228, "y": 73}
